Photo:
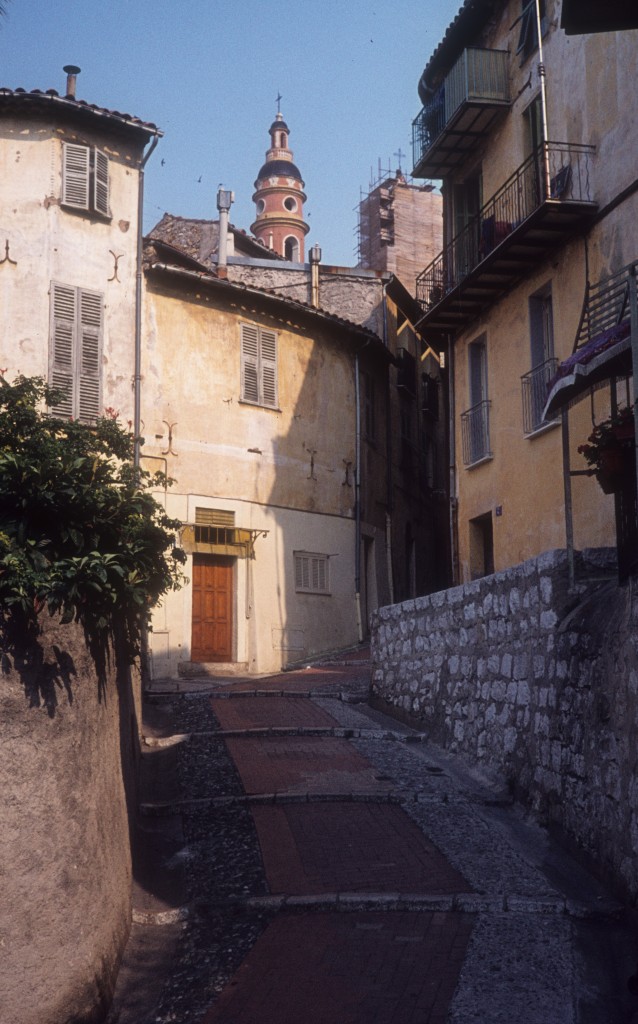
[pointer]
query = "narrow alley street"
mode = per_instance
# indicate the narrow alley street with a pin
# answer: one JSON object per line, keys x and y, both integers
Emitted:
{"x": 306, "y": 860}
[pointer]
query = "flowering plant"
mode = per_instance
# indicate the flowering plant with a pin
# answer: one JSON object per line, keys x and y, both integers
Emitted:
{"x": 615, "y": 432}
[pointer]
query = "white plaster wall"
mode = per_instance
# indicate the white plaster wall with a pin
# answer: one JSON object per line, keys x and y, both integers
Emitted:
{"x": 273, "y": 625}
{"x": 50, "y": 243}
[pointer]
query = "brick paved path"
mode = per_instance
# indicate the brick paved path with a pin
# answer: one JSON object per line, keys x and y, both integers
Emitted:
{"x": 345, "y": 838}
{"x": 374, "y": 968}
{"x": 394, "y": 886}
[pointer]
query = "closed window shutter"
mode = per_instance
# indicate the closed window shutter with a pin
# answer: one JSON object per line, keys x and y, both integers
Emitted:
{"x": 75, "y": 177}
{"x": 90, "y": 345}
{"x": 302, "y": 576}
{"x": 249, "y": 363}
{"x": 311, "y": 573}
{"x": 101, "y": 183}
{"x": 62, "y": 345}
{"x": 269, "y": 367}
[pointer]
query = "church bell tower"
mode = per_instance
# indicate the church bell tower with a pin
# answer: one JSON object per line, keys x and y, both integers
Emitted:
{"x": 279, "y": 198}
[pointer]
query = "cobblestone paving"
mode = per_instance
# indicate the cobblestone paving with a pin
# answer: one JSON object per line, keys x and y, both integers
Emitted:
{"x": 509, "y": 942}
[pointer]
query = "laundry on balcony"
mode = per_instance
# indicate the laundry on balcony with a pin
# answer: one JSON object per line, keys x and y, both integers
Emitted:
{"x": 560, "y": 184}
{"x": 492, "y": 234}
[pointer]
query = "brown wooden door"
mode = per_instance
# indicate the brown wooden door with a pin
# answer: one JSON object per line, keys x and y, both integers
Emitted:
{"x": 212, "y": 638}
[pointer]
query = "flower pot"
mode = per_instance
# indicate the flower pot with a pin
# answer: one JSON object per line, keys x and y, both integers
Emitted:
{"x": 613, "y": 468}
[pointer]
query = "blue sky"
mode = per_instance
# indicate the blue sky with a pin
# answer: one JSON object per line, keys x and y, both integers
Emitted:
{"x": 207, "y": 72}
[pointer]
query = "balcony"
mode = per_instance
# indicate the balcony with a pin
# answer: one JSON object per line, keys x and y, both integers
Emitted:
{"x": 545, "y": 201}
{"x": 462, "y": 111}
{"x": 475, "y": 434}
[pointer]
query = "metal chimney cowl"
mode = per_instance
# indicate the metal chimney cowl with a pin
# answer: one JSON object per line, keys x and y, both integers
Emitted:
{"x": 71, "y": 71}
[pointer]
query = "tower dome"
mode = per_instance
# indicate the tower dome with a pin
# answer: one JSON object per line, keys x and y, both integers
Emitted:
{"x": 279, "y": 197}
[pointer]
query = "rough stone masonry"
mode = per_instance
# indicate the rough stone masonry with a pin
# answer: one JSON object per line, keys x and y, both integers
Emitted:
{"x": 519, "y": 674}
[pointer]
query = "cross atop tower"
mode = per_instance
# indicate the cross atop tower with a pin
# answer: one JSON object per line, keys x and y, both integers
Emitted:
{"x": 279, "y": 99}
{"x": 399, "y": 155}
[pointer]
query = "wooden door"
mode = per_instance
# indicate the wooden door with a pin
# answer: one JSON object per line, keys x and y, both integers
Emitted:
{"x": 212, "y": 637}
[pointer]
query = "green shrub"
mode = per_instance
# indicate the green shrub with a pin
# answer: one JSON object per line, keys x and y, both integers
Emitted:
{"x": 80, "y": 533}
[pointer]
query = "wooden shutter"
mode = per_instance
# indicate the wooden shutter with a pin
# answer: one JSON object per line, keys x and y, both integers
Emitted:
{"x": 61, "y": 372}
{"x": 249, "y": 363}
{"x": 76, "y": 351}
{"x": 311, "y": 573}
{"x": 302, "y": 575}
{"x": 101, "y": 183}
{"x": 75, "y": 176}
{"x": 89, "y": 355}
{"x": 268, "y": 352}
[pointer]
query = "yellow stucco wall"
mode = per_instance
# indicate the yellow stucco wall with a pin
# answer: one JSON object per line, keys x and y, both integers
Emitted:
{"x": 286, "y": 471}
{"x": 590, "y": 86}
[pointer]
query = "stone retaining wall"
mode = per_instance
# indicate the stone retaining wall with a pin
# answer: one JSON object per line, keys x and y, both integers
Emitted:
{"x": 67, "y": 768}
{"x": 519, "y": 675}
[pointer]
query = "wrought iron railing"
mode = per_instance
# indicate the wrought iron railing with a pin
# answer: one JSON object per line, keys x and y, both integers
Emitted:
{"x": 534, "y": 394}
{"x": 478, "y": 75}
{"x": 557, "y": 171}
{"x": 475, "y": 433}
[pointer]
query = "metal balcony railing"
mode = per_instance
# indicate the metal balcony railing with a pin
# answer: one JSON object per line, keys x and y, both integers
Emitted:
{"x": 478, "y": 77}
{"x": 557, "y": 172}
{"x": 475, "y": 433}
{"x": 534, "y": 387}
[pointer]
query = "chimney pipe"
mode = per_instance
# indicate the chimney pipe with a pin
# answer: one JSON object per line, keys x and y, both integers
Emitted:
{"x": 71, "y": 73}
{"x": 315, "y": 260}
{"x": 224, "y": 202}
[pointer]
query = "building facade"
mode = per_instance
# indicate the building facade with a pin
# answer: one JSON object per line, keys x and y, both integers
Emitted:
{"x": 531, "y": 224}
{"x": 71, "y": 195}
{"x": 256, "y": 425}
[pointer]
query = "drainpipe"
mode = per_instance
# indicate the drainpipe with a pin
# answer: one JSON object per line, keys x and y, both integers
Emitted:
{"x": 389, "y": 483}
{"x": 541, "y": 73}
{"x": 357, "y": 499}
{"x": 225, "y": 200}
{"x": 315, "y": 260}
{"x": 454, "y": 564}
{"x": 137, "y": 378}
{"x": 633, "y": 307}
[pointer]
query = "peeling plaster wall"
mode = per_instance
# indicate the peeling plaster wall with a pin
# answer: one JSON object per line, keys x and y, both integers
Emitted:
{"x": 522, "y": 677}
{"x": 66, "y": 772}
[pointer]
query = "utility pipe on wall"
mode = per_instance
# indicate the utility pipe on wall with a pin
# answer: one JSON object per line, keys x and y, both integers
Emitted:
{"x": 137, "y": 376}
{"x": 357, "y": 498}
{"x": 544, "y": 120}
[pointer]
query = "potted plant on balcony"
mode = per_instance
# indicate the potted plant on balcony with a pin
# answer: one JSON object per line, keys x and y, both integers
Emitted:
{"x": 609, "y": 450}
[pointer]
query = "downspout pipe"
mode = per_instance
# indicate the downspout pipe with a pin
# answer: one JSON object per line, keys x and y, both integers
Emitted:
{"x": 137, "y": 377}
{"x": 544, "y": 119}
{"x": 389, "y": 479}
{"x": 357, "y": 498}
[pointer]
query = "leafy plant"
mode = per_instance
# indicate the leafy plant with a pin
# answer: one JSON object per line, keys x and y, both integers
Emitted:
{"x": 80, "y": 533}
{"x": 616, "y": 431}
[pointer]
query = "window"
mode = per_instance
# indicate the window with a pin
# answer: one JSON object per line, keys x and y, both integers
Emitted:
{"x": 475, "y": 424}
{"x": 258, "y": 366}
{"x": 534, "y": 384}
{"x": 290, "y": 204}
{"x": 528, "y": 36}
{"x": 311, "y": 573}
{"x": 75, "y": 351}
{"x": 85, "y": 179}
{"x": 291, "y": 249}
